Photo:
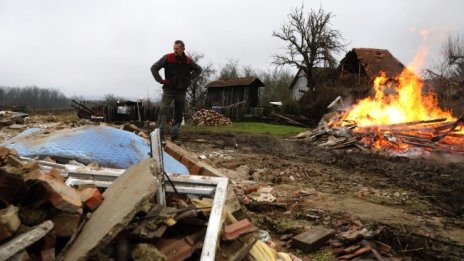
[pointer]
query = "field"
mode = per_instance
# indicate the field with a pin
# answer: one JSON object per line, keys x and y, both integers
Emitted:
{"x": 416, "y": 204}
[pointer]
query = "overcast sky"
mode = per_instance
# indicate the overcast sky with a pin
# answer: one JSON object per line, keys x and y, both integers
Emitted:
{"x": 93, "y": 48}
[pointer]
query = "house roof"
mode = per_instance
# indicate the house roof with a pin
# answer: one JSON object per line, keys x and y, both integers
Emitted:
{"x": 375, "y": 60}
{"x": 245, "y": 81}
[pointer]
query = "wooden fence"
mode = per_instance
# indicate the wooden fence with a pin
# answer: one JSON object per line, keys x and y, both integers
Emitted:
{"x": 150, "y": 113}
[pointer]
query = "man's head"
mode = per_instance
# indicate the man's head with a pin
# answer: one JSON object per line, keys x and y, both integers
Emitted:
{"x": 179, "y": 47}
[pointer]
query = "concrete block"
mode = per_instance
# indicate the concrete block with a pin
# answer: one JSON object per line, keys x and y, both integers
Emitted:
{"x": 313, "y": 239}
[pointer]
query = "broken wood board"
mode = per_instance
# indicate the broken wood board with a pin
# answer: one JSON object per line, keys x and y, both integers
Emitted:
{"x": 122, "y": 200}
{"x": 24, "y": 240}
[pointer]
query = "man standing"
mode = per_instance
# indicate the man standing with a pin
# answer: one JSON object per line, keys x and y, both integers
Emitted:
{"x": 179, "y": 70}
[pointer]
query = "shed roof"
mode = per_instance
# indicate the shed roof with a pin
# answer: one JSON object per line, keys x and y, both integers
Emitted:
{"x": 375, "y": 60}
{"x": 245, "y": 81}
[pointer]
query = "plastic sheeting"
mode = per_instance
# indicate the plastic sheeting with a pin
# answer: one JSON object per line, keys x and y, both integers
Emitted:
{"x": 109, "y": 147}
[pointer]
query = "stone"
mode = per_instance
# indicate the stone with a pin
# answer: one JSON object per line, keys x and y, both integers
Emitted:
{"x": 9, "y": 218}
{"x": 144, "y": 252}
{"x": 313, "y": 239}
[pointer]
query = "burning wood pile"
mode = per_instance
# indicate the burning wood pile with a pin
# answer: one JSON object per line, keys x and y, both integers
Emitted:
{"x": 210, "y": 118}
{"x": 400, "y": 119}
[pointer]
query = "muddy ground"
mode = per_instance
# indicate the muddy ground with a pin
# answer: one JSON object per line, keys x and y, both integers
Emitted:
{"x": 414, "y": 205}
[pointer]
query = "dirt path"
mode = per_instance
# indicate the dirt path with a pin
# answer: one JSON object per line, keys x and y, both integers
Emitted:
{"x": 418, "y": 202}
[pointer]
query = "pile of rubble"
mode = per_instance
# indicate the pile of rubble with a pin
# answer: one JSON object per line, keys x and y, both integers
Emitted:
{"x": 10, "y": 118}
{"x": 45, "y": 217}
{"x": 210, "y": 118}
{"x": 348, "y": 237}
{"x": 38, "y": 211}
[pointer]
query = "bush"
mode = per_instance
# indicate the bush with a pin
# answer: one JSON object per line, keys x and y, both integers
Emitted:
{"x": 291, "y": 107}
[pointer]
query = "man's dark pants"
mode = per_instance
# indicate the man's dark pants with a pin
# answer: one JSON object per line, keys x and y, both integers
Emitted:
{"x": 179, "y": 104}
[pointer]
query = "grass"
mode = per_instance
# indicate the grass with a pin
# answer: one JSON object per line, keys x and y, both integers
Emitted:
{"x": 322, "y": 255}
{"x": 250, "y": 128}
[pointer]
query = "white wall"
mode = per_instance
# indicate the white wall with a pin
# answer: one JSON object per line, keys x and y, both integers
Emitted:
{"x": 300, "y": 84}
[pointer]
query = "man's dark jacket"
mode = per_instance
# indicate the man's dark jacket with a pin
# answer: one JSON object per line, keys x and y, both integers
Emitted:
{"x": 179, "y": 71}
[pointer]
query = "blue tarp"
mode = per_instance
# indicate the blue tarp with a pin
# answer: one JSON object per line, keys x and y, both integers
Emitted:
{"x": 109, "y": 147}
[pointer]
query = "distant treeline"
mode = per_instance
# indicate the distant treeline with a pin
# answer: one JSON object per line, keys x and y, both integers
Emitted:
{"x": 33, "y": 97}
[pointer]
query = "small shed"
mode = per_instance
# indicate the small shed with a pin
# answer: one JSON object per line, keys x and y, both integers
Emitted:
{"x": 369, "y": 62}
{"x": 242, "y": 91}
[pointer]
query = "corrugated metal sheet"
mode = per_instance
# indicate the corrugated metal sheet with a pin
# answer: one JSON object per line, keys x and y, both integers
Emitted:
{"x": 235, "y": 82}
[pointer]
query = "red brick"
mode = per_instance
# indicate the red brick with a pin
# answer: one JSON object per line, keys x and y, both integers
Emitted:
{"x": 92, "y": 198}
{"x": 4, "y": 153}
{"x": 187, "y": 162}
{"x": 30, "y": 166}
{"x": 237, "y": 229}
{"x": 173, "y": 153}
{"x": 355, "y": 254}
{"x": 195, "y": 170}
{"x": 60, "y": 195}
{"x": 56, "y": 174}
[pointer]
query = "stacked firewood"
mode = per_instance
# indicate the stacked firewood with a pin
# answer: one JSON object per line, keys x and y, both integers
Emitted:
{"x": 210, "y": 118}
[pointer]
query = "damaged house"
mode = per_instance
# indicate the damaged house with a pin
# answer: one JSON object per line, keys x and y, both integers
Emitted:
{"x": 352, "y": 78}
{"x": 367, "y": 63}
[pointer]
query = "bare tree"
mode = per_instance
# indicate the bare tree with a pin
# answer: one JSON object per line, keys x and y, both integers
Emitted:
{"x": 453, "y": 51}
{"x": 196, "y": 92}
{"x": 277, "y": 82}
{"x": 229, "y": 71}
{"x": 310, "y": 41}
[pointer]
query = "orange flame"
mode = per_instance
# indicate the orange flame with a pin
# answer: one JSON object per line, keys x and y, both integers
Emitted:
{"x": 398, "y": 101}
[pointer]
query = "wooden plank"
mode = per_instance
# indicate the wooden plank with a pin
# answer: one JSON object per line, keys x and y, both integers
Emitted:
{"x": 123, "y": 199}
{"x": 205, "y": 168}
{"x": 24, "y": 240}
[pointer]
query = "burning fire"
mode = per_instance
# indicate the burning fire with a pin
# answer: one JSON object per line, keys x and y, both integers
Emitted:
{"x": 401, "y": 116}
{"x": 398, "y": 101}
